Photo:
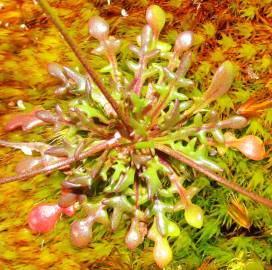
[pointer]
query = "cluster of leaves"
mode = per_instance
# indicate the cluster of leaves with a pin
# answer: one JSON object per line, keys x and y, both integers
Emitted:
{"x": 89, "y": 119}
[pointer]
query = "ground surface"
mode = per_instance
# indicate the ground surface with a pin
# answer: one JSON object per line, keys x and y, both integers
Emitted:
{"x": 236, "y": 30}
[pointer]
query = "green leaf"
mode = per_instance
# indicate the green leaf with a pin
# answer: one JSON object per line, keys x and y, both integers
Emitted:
{"x": 209, "y": 29}
{"x": 218, "y": 55}
{"x": 225, "y": 104}
{"x": 202, "y": 71}
{"x": 155, "y": 17}
{"x": 138, "y": 103}
{"x": 256, "y": 128}
{"x": 265, "y": 63}
{"x": 139, "y": 127}
{"x": 125, "y": 181}
{"x": 106, "y": 69}
{"x": 199, "y": 155}
{"x": 257, "y": 180}
{"x": 163, "y": 46}
{"x": 227, "y": 42}
{"x": 92, "y": 112}
{"x": 151, "y": 175}
{"x": 245, "y": 29}
{"x": 249, "y": 12}
{"x": 143, "y": 145}
{"x": 247, "y": 51}
{"x": 119, "y": 167}
{"x": 198, "y": 39}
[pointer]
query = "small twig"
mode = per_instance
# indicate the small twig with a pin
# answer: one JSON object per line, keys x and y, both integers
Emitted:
{"x": 60, "y": 26}
{"x": 181, "y": 157}
{"x": 48, "y": 169}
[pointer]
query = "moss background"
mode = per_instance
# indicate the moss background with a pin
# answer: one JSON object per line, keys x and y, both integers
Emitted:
{"x": 238, "y": 30}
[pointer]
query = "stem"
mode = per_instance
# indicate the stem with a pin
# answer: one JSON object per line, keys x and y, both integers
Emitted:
{"x": 176, "y": 181}
{"x": 180, "y": 73}
{"x": 60, "y": 26}
{"x": 181, "y": 190}
{"x": 50, "y": 168}
{"x": 171, "y": 64}
{"x": 179, "y": 156}
{"x": 115, "y": 72}
{"x": 161, "y": 105}
{"x": 136, "y": 187}
{"x": 139, "y": 76}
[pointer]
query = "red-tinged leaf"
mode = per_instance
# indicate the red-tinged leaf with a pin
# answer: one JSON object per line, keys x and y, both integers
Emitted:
{"x": 25, "y": 121}
{"x": 251, "y": 146}
{"x": 29, "y": 164}
{"x": 256, "y": 104}
{"x": 43, "y": 217}
{"x": 67, "y": 199}
{"x": 57, "y": 151}
{"x": 238, "y": 212}
{"x": 46, "y": 116}
{"x": 146, "y": 37}
{"x": 69, "y": 211}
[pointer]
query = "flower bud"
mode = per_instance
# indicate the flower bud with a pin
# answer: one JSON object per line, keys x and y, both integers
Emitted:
{"x": 251, "y": 146}
{"x": 155, "y": 17}
{"x": 173, "y": 229}
{"x": 183, "y": 42}
{"x": 136, "y": 233}
{"x": 43, "y": 217}
{"x": 81, "y": 232}
{"x": 162, "y": 253}
{"x": 194, "y": 216}
{"x": 98, "y": 28}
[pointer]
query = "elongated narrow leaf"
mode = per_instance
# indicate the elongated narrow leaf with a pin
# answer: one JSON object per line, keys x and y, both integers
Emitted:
{"x": 221, "y": 82}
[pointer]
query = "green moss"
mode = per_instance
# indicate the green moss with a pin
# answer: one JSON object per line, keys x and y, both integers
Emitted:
{"x": 24, "y": 55}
